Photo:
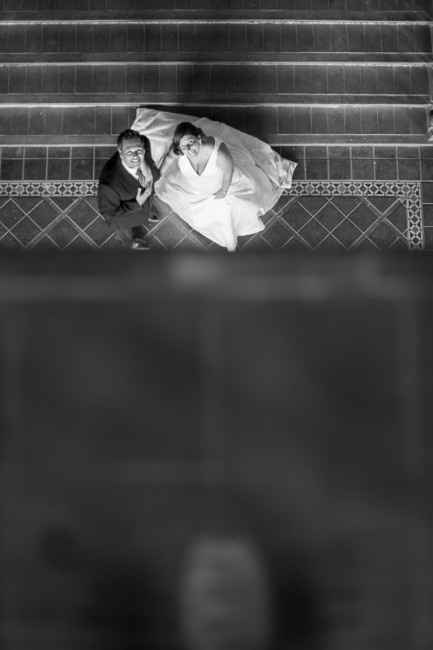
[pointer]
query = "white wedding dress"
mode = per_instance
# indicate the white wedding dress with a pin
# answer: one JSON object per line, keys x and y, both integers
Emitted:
{"x": 260, "y": 175}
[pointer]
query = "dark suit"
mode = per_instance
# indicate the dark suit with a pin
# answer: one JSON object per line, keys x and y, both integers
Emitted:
{"x": 116, "y": 197}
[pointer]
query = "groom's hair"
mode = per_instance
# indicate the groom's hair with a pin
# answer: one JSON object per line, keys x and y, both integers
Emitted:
{"x": 130, "y": 134}
{"x": 182, "y": 129}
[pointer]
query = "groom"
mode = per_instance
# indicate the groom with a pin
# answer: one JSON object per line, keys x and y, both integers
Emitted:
{"x": 125, "y": 192}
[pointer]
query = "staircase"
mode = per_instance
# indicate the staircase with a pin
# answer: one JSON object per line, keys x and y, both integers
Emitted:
{"x": 344, "y": 87}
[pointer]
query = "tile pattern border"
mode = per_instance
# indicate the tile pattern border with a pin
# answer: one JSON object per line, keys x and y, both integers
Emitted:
{"x": 48, "y": 188}
{"x": 409, "y": 193}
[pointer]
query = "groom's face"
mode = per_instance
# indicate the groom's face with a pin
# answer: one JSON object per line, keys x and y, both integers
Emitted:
{"x": 132, "y": 153}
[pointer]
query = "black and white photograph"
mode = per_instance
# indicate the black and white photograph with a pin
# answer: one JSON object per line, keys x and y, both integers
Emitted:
{"x": 216, "y": 324}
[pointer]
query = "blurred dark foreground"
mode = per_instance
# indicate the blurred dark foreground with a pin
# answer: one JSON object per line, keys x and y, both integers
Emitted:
{"x": 216, "y": 453}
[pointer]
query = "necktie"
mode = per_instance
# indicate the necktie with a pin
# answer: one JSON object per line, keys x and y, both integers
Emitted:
{"x": 141, "y": 178}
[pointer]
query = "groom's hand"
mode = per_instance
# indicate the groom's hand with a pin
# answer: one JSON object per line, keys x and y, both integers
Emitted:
{"x": 143, "y": 194}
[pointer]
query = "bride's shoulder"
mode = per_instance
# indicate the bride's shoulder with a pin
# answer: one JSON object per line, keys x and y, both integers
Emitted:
{"x": 223, "y": 150}
{"x": 211, "y": 142}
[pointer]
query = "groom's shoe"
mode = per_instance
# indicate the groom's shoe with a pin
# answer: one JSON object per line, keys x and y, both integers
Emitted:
{"x": 139, "y": 244}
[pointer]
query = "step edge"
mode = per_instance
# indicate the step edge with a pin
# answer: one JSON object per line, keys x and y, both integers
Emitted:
{"x": 154, "y": 99}
{"x": 51, "y": 59}
{"x": 275, "y": 139}
{"x": 213, "y": 21}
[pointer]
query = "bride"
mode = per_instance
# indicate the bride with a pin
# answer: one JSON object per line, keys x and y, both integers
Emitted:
{"x": 217, "y": 179}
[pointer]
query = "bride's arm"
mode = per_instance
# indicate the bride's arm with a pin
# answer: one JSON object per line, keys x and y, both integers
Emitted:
{"x": 167, "y": 161}
{"x": 225, "y": 163}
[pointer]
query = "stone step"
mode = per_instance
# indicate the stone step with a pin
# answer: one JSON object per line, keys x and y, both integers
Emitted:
{"x": 198, "y": 36}
{"x": 224, "y": 56}
{"x": 273, "y": 122}
{"x": 215, "y": 98}
{"x": 295, "y": 82}
{"x": 179, "y": 14}
{"x": 286, "y": 80}
{"x": 281, "y": 140}
{"x": 216, "y": 5}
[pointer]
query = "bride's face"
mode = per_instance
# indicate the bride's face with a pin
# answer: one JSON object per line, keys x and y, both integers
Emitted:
{"x": 190, "y": 145}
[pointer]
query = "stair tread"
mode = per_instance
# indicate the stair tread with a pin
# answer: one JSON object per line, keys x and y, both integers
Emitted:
{"x": 180, "y": 57}
{"x": 147, "y": 39}
{"x": 341, "y": 120}
{"x": 234, "y": 99}
{"x": 344, "y": 104}
{"x": 274, "y": 139}
{"x": 231, "y": 99}
{"x": 217, "y": 14}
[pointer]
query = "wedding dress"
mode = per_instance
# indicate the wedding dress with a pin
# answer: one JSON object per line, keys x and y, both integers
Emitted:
{"x": 260, "y": 175}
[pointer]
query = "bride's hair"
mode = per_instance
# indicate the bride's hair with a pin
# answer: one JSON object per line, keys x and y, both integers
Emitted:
{"x": 182, "y": 129}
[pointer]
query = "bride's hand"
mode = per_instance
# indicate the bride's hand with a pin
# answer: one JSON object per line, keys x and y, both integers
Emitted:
{"x": 221, "y": 194}
{"x": 167, "y": 160}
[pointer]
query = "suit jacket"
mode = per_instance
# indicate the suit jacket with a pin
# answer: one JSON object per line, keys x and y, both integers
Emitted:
{"x": 116, "y": 196}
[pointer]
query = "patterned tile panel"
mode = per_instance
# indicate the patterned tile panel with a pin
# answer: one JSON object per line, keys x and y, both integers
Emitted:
{"x": 313, "y": 214}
